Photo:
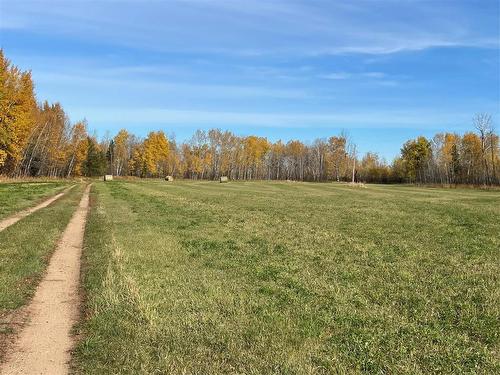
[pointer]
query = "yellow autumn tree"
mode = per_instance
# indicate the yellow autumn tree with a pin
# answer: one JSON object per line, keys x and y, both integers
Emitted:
{"x": 122, "y": 152}
{"x": 278, "y": 150}
{"x": 296, "y": 151}
{"x": 77, "y": 149}
{"x": 17, "y": 109}
{"x": 337, "y": 156}
{"x": 471, "y": 158}
{"x": 174, "y": 163}
{"x": 449, "y": 156}
{"x": 254, "y": 150}
{"x": 151, "y": 157}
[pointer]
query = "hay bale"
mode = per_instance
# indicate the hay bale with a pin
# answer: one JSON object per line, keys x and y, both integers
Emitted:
{"x": 223, "y": 179}
{"x": 357, "y": 184}
{"x": 108, "y": 177}
{"x": 169, "y": 178}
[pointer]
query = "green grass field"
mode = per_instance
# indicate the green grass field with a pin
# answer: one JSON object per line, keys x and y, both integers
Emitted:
{"x": 19, "y": 195}
{"x": 290, "y": 278}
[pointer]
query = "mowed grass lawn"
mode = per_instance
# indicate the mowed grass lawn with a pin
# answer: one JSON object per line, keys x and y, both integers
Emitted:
{"x": 290, "y": 278}
{"x": 20, "y": 195}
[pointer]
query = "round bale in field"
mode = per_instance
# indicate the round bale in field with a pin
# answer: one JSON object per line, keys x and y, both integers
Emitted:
{"x": 108, "y": 177}
{"x": 223, "y": 179}
{"x": 169, "y": 178}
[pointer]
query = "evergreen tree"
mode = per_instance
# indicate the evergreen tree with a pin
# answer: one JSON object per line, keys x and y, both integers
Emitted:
{"x": 95, "y": 163}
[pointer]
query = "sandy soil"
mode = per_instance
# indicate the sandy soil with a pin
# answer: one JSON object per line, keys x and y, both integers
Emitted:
{"x": 7, "y": 222}
{"x": 44, "y": 344}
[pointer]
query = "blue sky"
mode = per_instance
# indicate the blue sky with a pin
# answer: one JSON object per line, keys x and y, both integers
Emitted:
{"x": 382, "y": 70}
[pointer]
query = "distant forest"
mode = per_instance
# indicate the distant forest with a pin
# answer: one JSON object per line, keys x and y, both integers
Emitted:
{"x": 37, "y": 139}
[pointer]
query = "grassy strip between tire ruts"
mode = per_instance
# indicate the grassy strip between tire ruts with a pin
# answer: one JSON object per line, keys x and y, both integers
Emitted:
{"x": 17, "y": 196}
{"x": 26, "y": 246}
{"x": 277, "y": 278}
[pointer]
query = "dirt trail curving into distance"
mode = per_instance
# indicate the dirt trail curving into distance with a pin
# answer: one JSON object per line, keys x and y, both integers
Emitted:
{"x": 44, "y": 344}
{"x": 7, "y": 222}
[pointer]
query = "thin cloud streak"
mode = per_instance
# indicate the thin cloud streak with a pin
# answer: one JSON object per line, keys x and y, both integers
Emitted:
{"x": 346, "y": 75}
{"x": 207, "y": 90}
{"x": 369, "y": 119}
{"x": 255, "y": 28}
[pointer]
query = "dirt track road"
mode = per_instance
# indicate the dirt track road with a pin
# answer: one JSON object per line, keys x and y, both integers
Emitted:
{"x": 44, "y": 344}
{"x": 7, "y": 222}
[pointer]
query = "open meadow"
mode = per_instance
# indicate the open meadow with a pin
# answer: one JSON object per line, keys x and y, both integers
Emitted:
{"x": 289, "y": 278}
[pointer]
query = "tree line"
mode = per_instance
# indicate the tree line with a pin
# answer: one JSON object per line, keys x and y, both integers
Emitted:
{"x": 37, "y": 139}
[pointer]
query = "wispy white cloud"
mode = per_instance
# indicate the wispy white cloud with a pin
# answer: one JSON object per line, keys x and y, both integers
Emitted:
{"x": 350, "y": 119}
{"x": 347, "y": 75}
{"x": 336, "y": 76}
{"x": 173, "y": 88}
{"x": 253, "y": 28}
{"x": 12, "y": 24}
{"x": 390, "y": 46}
{"x": 374, "y": 74}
